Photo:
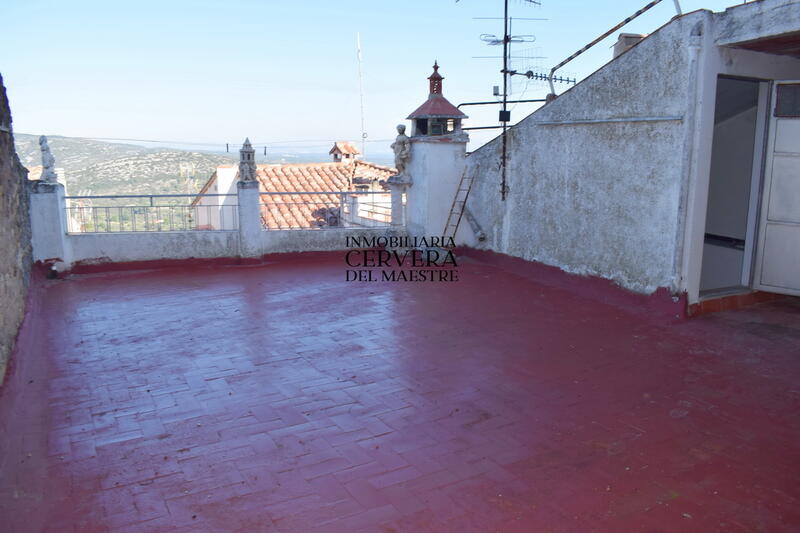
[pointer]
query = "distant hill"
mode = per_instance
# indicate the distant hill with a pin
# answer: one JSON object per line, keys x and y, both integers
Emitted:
{"x": 101, "y": 167}
{"x": 98, "y": 167}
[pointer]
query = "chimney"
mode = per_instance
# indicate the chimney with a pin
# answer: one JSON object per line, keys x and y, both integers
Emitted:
{"x": 625, "y": 41}
{"x": 436, "y": 162}
{"x": 344, "y": 152}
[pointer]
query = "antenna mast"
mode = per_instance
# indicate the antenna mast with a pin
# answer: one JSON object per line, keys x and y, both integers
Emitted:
{"x": 361, "y": 96}
{"x": 505, "y": 114}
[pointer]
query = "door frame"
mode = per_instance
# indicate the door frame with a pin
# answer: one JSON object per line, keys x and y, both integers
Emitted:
{"x": 752, "y": 234}
{"x": 760, "y": 152}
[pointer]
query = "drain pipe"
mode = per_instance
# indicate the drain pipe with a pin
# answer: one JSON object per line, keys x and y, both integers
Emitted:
{"x": 652, "y": 4}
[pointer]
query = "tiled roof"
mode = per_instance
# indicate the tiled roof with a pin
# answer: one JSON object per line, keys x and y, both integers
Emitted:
{"x": 344, "y": 147}
{"x": 370, "y": 171}
{"x": 437, "y": 106}
{"x": 294, "y": 211}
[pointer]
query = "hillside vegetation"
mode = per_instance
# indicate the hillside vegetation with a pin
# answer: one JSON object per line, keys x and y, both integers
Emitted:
{"x": 98, "y": 167}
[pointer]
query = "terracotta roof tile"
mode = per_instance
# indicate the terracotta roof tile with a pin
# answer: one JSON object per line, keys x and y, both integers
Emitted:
{"x": 297, "y": 211}
{"x": 437, "y": 106}
{"x": 311, "y": 210}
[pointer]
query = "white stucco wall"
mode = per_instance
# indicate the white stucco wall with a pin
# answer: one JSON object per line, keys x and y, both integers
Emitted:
{"x": 435, "y": 167}
{"x": 226, "y": 179}
{"x": 742, "y": 23}
{"x": 595, "y": 176}
{"x": 218, "y": 211}
{"x": 611, "y": 179}
{"x": 48, "y": 223}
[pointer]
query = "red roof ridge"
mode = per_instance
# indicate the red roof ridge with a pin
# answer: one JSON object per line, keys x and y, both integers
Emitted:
{"x": 304, "y": 165}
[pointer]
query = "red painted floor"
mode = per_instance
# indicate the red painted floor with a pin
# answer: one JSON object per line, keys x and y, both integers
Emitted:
{"x": 280, "y": 398}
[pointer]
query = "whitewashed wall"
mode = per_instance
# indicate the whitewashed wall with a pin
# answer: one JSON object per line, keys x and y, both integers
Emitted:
{"x": 611, "y": 178}
{"x": 594, "y": 177}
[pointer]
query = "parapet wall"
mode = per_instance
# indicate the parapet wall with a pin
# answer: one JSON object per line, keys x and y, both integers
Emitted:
{"x": 55, "y": 246}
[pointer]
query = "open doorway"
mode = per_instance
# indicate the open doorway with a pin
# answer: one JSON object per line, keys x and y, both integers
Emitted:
{"x": 736, "y": 155}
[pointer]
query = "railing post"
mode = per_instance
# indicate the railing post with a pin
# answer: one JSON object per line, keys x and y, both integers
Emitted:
{"x": 249, "y": 219}
{"x": 341, "y": 223}
{"x": 398, "y": 188}
{"x": 49, "y": 224}
{"x": 352, "y": 208}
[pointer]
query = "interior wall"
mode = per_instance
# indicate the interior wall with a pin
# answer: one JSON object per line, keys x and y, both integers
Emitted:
{"x": 731, "y": 171}
{"x": 722, "y": 267}
{"x": 733, "y": 146}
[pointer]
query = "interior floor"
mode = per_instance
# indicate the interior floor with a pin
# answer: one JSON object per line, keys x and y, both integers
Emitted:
{"x": 724, "y": 291}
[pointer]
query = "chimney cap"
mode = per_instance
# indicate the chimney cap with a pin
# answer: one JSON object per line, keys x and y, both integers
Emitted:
{"x": 436, "y": 106}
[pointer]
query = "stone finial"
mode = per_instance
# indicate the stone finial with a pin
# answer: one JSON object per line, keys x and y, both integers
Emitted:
{"x": 48, "y": 162}
{"x": 247, "y": 162}
{"x": 402, "y": 150}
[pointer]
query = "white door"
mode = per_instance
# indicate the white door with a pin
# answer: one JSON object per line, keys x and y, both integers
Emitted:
{"x": 778, "y": 257}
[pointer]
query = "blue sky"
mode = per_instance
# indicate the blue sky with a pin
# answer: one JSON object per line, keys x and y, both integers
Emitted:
{"x": 214, "y": 72}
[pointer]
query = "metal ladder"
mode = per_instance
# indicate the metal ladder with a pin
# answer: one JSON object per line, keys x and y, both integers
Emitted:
{"x": 459, "y": 204}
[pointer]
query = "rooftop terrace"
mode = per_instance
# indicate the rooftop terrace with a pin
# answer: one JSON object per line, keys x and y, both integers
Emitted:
{"x": 277, "y": 397}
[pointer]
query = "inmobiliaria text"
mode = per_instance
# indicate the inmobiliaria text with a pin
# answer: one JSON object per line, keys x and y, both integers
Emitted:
{"x": 403, "y": 259}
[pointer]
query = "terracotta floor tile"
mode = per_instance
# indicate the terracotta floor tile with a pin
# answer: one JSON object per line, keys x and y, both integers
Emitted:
{"x": 280, "y": 398}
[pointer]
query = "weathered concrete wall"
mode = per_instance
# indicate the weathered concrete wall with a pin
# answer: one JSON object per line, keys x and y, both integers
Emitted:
{"x": 278, "y": 241}
{"x": 596, "y": 177}
{"x": 15, "y": 248}
{"x": 151, "y": 246}
{"x": 154, "y": 246}
{"x": 756, "y": 20}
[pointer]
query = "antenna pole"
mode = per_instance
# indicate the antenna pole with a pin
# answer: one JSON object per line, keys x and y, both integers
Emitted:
{"x": 361, "y": 96}
{"x": 505, "y": 114}
{"x": 506, "y": 39}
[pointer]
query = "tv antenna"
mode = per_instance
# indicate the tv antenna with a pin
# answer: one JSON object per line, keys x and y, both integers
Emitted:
{"x": 493, "y": 40}
{"x": 506, "y": 40}
{"x": 361, "y": 96}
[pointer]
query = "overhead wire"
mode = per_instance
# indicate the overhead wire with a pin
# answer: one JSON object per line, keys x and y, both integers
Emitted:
{"x": 221, "y": 144}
